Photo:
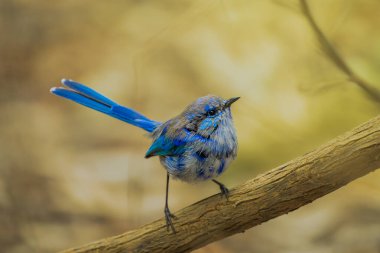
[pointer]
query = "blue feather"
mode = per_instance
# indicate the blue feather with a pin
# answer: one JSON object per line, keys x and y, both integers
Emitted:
{"x": 164, "y": 146}
{"x": 221, "y": 167}
{"x": 80, "y": 99}
{"x": 87, "y": 91}
{"x": 86, "y": 96}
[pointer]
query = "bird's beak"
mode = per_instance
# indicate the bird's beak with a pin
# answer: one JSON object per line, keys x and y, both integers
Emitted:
{"x": 230, "y": 101}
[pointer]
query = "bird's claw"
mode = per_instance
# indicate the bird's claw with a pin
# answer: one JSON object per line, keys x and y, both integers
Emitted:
{"x": 224, "y": 191}
{"x": 168, "y": 218}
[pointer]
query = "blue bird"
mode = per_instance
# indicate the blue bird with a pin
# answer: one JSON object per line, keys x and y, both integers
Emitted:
{"x": 197, "y": 145}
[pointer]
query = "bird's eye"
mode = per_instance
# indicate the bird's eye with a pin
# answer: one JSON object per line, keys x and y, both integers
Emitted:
{"x": 211, "y": 112}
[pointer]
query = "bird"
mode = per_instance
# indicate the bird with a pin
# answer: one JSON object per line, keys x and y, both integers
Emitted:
{"x": 197, "y": 145}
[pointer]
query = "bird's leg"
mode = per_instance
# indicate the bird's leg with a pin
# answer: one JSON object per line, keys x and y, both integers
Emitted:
{"x": 223, "y": 189}
{"x": 168, "y": 214}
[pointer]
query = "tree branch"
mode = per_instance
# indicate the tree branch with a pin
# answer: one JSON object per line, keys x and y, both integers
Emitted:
{"x": 277, "y": 192}
{"x": 336, "y": 58}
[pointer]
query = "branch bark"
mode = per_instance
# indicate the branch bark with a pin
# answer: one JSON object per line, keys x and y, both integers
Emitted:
{"x": 336, "y": 58}
{"x": 277, "y": 192}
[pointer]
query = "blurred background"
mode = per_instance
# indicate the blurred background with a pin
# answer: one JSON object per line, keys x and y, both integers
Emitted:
{"x": 70, "y": 175}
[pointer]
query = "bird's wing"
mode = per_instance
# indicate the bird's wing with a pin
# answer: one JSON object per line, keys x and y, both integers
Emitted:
{"x": 169, "y": 142}
{"x": 174, "y": 143}
{"x": 165, "y": 146}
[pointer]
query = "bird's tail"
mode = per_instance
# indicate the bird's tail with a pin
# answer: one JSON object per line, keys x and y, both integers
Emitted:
{"x": 88, "y": 97}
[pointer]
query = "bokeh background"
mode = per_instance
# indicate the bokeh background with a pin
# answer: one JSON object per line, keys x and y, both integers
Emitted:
{"x": 70, "y": 175}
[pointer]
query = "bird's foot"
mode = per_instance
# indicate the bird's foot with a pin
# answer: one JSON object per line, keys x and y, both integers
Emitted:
{"x": 168, "y": 218}
{"x": 223, "y": 189}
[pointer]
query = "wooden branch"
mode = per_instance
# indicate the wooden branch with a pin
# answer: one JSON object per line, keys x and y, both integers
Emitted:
{"x": 277, "y": 192}
{"x": 336, "y": 58}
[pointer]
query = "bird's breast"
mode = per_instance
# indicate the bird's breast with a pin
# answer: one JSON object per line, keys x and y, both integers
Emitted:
{"x": 195, "y": 167}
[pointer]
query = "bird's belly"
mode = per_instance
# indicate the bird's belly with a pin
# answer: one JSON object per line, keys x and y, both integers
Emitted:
{"x": 194, "y": 168}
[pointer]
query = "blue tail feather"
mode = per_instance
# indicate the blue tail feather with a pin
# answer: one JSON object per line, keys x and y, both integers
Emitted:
{"x": 80, "y": 99}
{"x": 87, "y": 91}
{"x": 86, "y": 96}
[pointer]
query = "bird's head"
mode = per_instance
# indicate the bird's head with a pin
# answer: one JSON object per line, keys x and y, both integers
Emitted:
{"x": 208, "y": 113}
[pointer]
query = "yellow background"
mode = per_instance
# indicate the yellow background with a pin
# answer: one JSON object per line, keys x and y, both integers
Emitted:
{"x": 70, "y": 175}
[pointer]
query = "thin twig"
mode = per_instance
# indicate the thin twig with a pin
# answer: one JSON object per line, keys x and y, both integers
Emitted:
{"x": 336, "y": 58}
